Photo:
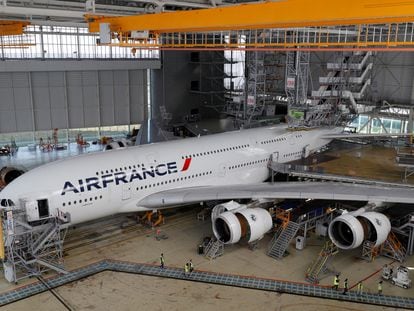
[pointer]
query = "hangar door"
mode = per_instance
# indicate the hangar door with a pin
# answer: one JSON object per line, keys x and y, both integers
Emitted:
{"x": 40, "y": 100}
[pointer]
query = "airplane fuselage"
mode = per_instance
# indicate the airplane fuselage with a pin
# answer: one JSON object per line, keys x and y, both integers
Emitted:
{"x": 100, "y": 184}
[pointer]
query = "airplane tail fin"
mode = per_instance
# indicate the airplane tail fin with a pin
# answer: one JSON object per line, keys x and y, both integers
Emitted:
{"x": 149, "y": 133}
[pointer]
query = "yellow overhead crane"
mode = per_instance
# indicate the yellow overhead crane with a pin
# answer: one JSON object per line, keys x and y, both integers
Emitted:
{"x": 12, "y": 28}
{"x": 11, "y": 33}
{"x": 285, "y": 24}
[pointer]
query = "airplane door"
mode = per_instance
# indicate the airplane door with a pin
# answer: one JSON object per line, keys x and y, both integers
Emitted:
{"x": 126, "y": 191}
{"x": 275, "y": 157}
{"x": 292, "y": 139}
{"x": 223, "y": 169}
{"x": 305, "y": 151}
{"x": 36, "y": 209}
{"x": 253, "y": 141}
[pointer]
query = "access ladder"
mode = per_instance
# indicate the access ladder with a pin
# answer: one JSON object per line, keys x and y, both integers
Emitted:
{"x": 282, "y": 239}
{"x": 319, "y": 267}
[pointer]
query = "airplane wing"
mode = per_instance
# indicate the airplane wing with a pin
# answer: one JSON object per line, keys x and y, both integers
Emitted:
{"x": 358, "y": 135}
{"x": 281, "y": 190}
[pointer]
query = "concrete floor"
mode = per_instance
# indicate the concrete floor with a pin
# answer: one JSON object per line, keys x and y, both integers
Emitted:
{"x": 112, "y": 291}
{"x": 109, "y": 290}
{"x": 30, "y": 159}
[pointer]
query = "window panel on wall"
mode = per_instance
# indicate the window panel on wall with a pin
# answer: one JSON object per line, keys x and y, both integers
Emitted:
{"x": 51, "y": 44}
{"x": 103, "y": 51}
{"x": 34, "y": 51}
{"x": 121, "y": 52}
{"x": 69, "y": 46}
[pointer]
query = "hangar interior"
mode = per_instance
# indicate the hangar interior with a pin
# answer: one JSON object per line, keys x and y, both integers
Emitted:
{"x": 84, "y": 77}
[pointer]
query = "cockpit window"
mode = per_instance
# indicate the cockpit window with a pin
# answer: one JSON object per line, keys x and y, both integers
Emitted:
{"x": 6, "y": 203}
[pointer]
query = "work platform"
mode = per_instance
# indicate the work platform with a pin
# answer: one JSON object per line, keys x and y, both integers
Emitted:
{"x": 265, "y": 284}
{"x": 308, "y": 172}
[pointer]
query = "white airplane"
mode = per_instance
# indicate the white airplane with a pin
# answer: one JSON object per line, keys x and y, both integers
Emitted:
{"x": 231, "y": 165}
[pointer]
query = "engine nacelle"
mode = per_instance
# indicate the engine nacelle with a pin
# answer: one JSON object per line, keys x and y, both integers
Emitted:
{"x": 9, "y": 173}
{"x": 233, "y": 222}
{"x": 118, "y": 144}
{"x": 349, "y": 230}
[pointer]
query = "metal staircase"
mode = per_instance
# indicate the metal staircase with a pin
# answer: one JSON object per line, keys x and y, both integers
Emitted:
{"x": 393, "y": 248}
{"x": 319, "y": 268}
{"x": 214, "y": 249}
{"x": 31, "y": 249}
{"x": 404, "y": 226}
{"x": 282, "y": 239}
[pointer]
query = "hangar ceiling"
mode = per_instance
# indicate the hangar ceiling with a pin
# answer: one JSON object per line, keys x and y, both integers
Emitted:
{"x": 72, "y": 11}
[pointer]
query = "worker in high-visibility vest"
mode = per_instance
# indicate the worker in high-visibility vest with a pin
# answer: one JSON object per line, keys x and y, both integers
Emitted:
{"x": 345, "y": 286}
{"x": 360, "y": 288}
{"x": 186, "y": 269}
{"x": 190, "y": 266}
{"x": 380, "y": 287}
{"x": 336, "y": 282}
{"x": 162, "y": 261}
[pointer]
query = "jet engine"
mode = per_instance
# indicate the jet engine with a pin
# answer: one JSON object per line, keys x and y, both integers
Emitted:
{"x": 117, "y": 144}
{"x": 9, "y": 173}
{"x": 233, "y": 222}
{"x": 349, "y": 230}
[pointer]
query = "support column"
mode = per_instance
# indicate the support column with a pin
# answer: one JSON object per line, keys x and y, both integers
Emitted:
{"x": 410, "y": 118}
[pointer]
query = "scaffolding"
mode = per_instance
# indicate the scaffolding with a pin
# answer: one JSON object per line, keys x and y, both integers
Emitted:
{"x": 31, "y": 249}
{"x": 393, "y": 248}
{"x": 209, "y": 85}
{"x": 296, "y": 86}
{"x": 405, "y": 159}
{"x": 370, "y": 251}
{"x": 343, "y": 87}
{"x": 404, "y": 226}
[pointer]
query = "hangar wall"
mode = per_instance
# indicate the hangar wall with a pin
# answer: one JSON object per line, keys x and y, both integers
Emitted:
{"x": 393, "y": 78}
{"x": 172, "y": 85}
{"x": 33, "y": 100}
